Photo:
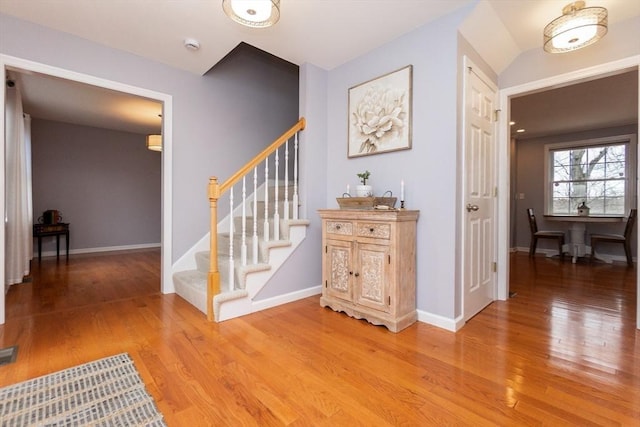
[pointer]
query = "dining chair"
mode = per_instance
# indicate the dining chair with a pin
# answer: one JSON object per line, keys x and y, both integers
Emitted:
{"x": 625, "y": 238}
{"x": 537, "y": 234}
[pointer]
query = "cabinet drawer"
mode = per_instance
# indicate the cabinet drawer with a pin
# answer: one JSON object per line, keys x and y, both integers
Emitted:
{"x": 379, "y": 231}
{"x": 344, "y": 228}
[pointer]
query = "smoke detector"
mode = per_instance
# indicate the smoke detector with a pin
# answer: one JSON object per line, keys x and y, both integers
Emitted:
{"x": 192, "y": 44}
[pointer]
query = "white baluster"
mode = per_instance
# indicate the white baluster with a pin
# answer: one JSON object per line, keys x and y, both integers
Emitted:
{"x": 243, "y": 247}
{"x": 255, "y": 216}
{"x": 295, "y": 177}
{"x": 231, "y": 261}
{"x": 286, "y": 180}
{"x": 266, "y": 199}
{"x": 276, "y": 201}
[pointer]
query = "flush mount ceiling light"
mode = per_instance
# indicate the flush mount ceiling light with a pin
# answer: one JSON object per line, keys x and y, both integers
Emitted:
{"x": 154, "y": 142}
{"x": 578, "y": 27}
{"x": 253, "y": 13}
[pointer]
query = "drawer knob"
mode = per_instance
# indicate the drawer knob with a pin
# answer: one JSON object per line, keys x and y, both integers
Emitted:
{"x": 371, "y": 230}
{"x": 338, "y": 227}
{"x": 351, "y": 273}
{"x": 357, "y": 274}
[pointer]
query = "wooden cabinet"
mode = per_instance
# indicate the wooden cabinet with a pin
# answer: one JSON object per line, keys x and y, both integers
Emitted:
{"x": 369, "y": 265}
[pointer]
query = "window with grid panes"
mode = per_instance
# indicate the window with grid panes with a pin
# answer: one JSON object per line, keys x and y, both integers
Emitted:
{"x": 599, "y": 172}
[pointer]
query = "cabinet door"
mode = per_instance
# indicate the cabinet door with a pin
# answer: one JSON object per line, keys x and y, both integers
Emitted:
{"x": 338, "y": 269}
{"x": 372, "y": 276}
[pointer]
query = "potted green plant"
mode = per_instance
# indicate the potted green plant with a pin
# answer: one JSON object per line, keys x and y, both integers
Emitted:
{"x": 364, "y": 190}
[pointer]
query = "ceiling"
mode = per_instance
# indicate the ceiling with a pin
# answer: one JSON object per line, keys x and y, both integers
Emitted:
{"x": 326, "y": 33}
{"x": 596, "y": 104}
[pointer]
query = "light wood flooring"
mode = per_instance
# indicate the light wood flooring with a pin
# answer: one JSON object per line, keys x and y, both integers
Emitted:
{"x": 563, "y": 351}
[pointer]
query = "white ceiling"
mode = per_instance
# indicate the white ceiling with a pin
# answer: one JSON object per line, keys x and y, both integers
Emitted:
{"x": 326, "y": 33}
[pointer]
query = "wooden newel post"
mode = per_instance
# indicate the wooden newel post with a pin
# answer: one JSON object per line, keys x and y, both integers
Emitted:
{"x": 213, "y": 279}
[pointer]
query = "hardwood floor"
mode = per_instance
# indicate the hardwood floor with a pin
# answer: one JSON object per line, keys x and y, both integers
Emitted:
{"x": 563, "y": 351}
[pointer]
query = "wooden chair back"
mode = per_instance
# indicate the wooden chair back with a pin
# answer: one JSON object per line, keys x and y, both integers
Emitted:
{"x": 630, "y": 222}
{"x": 532, "y": 221}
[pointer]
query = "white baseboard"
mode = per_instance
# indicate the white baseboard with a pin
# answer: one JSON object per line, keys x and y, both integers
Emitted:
{"x": 96, "y": 250}
{"x": 609, "y": 259}
{"x": 286, "y": 298}
{"x": 452, "y": 325}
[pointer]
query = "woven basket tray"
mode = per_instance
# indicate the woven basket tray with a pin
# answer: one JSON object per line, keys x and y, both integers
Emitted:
{"x": 365, "y": 202}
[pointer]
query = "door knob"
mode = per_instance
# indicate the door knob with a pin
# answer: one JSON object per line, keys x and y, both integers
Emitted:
{"x": 471, "y": 207}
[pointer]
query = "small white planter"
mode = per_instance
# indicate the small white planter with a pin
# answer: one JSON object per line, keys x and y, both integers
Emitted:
{"x": 364, "y": 191}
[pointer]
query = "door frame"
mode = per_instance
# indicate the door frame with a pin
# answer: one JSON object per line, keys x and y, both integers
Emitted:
{"x": 6, "y": 61}
{"x": 504, "y": 153}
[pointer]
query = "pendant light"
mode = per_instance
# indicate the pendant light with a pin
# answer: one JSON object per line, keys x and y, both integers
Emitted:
{"x": 578, "y": 27}
{"x": 154, "y": 142}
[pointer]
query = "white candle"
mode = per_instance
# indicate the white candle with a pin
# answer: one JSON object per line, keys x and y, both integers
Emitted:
{"x": 402, "y": 191}
{"x": 348, "y": 189}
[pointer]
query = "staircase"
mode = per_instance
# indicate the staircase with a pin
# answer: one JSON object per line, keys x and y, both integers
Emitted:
{"x": 236, "y": 300}
{"x": 261, "y": 232}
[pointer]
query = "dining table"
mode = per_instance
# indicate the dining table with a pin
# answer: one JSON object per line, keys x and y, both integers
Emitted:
{"x": 577, "y": 246}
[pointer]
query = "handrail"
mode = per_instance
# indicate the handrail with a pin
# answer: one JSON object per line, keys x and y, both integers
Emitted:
{"x": 215, "y": 191}
{"x": 300, "y": 125}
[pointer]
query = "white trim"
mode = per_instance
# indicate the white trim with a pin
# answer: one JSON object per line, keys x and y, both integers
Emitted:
{"x": 452, "y": 325}
{"x": 97, "y": 250}
{"x": 285, "y": 298}
{"x": 504, "y": 183}
{"x": 7, "y": 61}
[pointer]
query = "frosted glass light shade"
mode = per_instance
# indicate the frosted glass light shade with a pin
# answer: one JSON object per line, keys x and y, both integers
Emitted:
{"x": 253, "y": 13}
{"x": 154, "y": 142}
{"x": 578, "y": 27}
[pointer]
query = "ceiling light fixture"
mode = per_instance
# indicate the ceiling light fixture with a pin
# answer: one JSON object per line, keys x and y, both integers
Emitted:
{"x": 578, "y": 27}
{"x": 154, "y": 142}
{"x": 253, "y": 13}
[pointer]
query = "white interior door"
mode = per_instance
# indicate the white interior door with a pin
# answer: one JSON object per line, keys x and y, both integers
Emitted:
{"x": 479, "y": 201}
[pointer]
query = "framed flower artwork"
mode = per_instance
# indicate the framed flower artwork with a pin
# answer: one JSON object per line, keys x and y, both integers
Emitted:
{"x": 380, "y": 114}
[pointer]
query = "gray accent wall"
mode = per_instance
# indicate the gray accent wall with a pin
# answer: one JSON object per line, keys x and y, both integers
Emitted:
{"x": 105, "y": 183}
{"x": 529, "y": 181}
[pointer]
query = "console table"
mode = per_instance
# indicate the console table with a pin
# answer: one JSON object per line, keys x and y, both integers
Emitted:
{"x": 44, "y": 230}
{"x": 369, "y": 265}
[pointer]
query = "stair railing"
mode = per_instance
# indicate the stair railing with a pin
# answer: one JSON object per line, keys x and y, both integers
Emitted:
{"x": 216, "y": 191}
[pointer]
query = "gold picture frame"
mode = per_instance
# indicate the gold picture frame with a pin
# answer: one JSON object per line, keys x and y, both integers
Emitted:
{"x": 380, "y": 114}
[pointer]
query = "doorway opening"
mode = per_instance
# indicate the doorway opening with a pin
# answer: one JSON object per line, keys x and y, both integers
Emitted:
{"x": 12, "y": 63}
{"x": 504, "y": 159}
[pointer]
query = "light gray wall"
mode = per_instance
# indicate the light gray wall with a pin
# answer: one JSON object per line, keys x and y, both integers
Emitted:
{"x": 105, "y": 183}
{"x": 303, "y": 269}
{"x": 530, "y": 181}
{"x": 218, "y": 118}
{"x": 429, "y": 169}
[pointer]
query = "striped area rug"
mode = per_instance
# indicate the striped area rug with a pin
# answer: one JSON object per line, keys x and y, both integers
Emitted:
{"x": 106, "y": 392}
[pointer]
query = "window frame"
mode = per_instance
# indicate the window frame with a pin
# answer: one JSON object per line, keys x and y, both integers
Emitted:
{"x": 631, "y": 162}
